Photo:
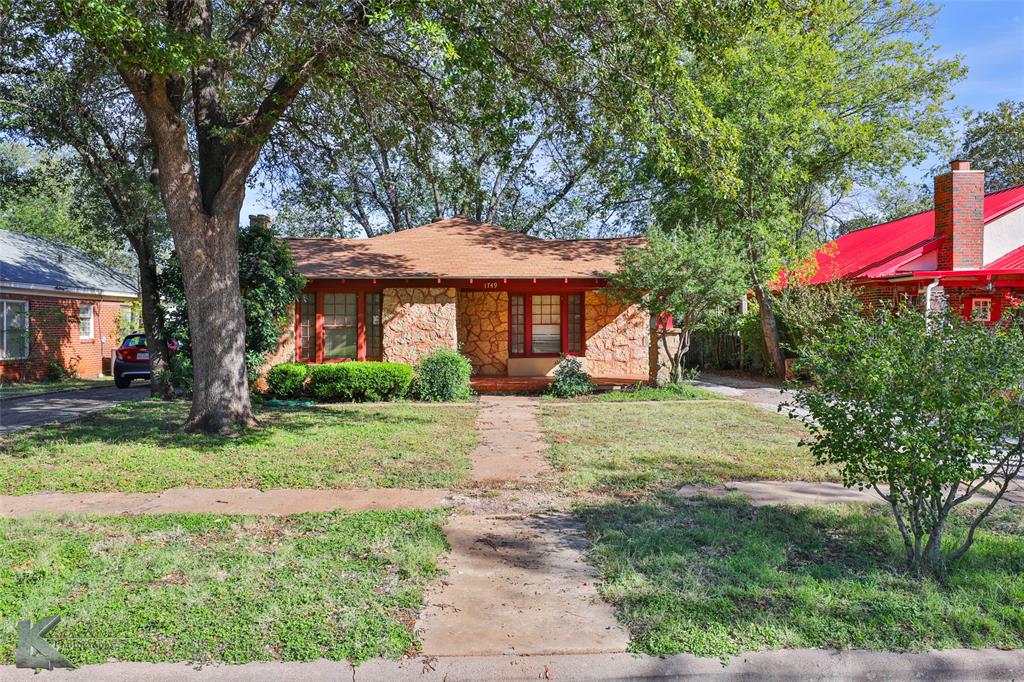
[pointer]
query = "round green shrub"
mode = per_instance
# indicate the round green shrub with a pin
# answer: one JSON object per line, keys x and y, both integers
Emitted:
{"x": 287, "y": 379}
{"x": 360, "y": 381}
{"x": 443, "y": 376}
{"x": 571, "y": 379}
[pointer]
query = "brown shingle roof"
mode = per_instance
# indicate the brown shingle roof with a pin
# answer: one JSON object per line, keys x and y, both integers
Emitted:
{"x": 456, "y": 248}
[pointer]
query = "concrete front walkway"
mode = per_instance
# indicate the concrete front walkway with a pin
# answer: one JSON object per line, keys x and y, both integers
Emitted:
{"x": 511, "y": 449}
{"x": 46, "y": 408}
{"x": 951, "y": 665}
{"x": 517, "y": 583}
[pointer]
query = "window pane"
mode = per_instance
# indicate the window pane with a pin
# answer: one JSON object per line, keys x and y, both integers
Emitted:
{"x": 517, "y": 325}
{"x": 85, "y": 321}
{"x": 576, "y": 323}
{"x": 374, "y": 327}
{"x": 340, "y": 342}
{"x": 546, "y": 322}
{"x": 14, "y": 316}
{"x": 339, "y": 326}
{"x": 307, "y": 328}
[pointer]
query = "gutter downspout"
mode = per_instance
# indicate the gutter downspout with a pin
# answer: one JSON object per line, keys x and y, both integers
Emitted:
{"x": 928, "y": 298}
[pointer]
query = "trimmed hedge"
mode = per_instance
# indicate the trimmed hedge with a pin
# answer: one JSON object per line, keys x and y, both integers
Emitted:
{"x": 443, "y": 376}
{"x": 287, "y": 379}
{"x": 359, "y": 381}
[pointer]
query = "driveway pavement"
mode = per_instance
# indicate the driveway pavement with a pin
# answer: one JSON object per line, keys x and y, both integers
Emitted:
{"x": 46, "y": 408}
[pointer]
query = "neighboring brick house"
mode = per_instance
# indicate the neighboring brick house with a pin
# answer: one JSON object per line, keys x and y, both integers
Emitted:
{"x": 58, "y": 306}
{"x": 512, "y": 303}
{"x": 967, "y": 254}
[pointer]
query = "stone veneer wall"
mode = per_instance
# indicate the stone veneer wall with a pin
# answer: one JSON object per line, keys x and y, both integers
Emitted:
{"x": 417, "y": 321}
{"x": 618, "y": 338}
{"x": 483, "y": 330}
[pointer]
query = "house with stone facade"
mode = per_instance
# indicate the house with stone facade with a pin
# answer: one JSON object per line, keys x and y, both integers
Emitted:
{"x": 512, "y": 303}
{"x": 966, "y": 254}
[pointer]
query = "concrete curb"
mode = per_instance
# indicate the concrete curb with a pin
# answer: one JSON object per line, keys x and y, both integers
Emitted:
{"x": 802, "y": 664}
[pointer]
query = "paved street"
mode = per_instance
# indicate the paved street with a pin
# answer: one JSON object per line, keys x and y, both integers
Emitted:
{"x": 33, "y": 410}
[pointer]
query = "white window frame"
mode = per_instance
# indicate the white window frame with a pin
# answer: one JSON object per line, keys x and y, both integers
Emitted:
{"x": 92, "y": 321}
{"x": 975, "y": 308}
{"x": 4, "y": 302}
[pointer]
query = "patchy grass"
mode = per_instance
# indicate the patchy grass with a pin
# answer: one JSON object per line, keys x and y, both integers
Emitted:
{"x": 209, "y": 588}
{"x": 666, "y": 392}
{"x": 627, "y": 448}
{"x": 19, "y": 390}
{"x": 717, "y": 578}
{"x": 138, "y": 448}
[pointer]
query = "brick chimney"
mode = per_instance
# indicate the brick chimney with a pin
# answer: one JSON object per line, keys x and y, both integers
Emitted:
{"x": 259, "y": 219}
{"x": 960, "y": 216}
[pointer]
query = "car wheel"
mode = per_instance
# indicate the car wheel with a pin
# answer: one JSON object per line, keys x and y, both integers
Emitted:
{"x": 122, "y": 382}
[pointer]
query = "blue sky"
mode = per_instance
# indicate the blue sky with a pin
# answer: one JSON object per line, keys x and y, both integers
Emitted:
{"x": 989, "y": 34}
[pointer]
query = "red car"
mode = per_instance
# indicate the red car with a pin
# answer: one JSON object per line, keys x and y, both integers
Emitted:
{"x": 131, "y": 359}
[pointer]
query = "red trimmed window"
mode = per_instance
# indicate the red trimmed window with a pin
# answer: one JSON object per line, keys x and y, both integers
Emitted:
{"x": 305, "y": 333}
{"x": 340, "y": 333}
{"x": 332, "y": 326}
{"x": 545, "y": 325}
{"x": 374, "y": 326}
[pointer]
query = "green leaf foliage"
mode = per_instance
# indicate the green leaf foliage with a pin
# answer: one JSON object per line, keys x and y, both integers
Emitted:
{"x": 994, "y": 141}
{"x": 270, "y": 285}
{"x": 926, "y": 411}
{"x": 288, "y": 379}
{"x": 571, "y": 380}
{"x": 443, "y": 376}
{"x": 359, "y": 381}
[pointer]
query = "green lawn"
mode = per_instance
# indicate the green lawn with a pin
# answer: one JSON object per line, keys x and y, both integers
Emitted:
{"x": 18, "y": 390}
{"x": 213, "y": 588}
{"x": 643, "y": 392}
{"x": 636, "y": 448}
{"x": 138, "y": 448}
{"x": 716, "y": 578}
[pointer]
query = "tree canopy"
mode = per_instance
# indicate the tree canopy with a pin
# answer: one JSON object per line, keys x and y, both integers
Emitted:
{"x": 820, "y": 97}
{"x": 994, "y": 142}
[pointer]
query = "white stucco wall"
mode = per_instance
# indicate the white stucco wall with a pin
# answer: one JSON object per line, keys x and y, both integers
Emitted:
{"x": 1004, "y": 234}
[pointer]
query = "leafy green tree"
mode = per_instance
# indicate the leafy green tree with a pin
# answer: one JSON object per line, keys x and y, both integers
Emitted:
{"x": 820, "y": 97}
{"x": 689, "y": 276}
{"x": 48, "y": 195}
{"x": 60, "y": 99}
{"x": 994, "y": 142}
{"x": 269, "y": 282}
{"x": 213, "y": 79}
{"x": 808, "y": 310}
{"x": 376, "y": 166}
{"x": 927, "y": 413}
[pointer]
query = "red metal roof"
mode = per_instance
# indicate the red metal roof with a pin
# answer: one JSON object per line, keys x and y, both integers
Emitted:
{"x": 881, "y": 250}
{"x": 1010, "y": 261}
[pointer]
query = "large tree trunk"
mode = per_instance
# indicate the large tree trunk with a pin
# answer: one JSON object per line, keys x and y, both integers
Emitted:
{"x": 216, "y": 320}
{"x": 152, "y": 317}
{"x": 770, "y": 329}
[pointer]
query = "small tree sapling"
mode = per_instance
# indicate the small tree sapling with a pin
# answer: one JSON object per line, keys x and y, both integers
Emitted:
{"x": 928, "y": 413}
{"x": 687, "y": 274}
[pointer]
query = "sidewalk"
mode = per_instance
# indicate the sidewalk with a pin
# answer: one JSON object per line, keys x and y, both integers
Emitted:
{"x": 953, "y": 665}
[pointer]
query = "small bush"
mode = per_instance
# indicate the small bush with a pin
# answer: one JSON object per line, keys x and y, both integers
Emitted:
{"x": 443, "y": 376}
{"x": 571, "y": 379}
{"x": 359, "y": 381}
{"x": 287, "y": 380}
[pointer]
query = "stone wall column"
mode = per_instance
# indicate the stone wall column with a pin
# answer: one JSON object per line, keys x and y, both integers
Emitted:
{"x": 417, "y": 321}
